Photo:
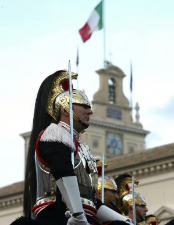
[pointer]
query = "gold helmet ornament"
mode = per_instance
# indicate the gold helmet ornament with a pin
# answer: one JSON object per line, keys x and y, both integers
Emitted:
{"x": 123, "y": 182}
{"x": 109, "y": 183}
{"x": 127, "y": 201}
{"x": 99, "y": 165}
{"x": 59, "y": 95}
{"x": 110, "y": 197}
{"x": 152, "y": 220}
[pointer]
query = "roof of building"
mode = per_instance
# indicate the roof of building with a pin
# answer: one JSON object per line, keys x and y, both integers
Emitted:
{"x": 12, "y": 189}
{"x": 141, "y": 157}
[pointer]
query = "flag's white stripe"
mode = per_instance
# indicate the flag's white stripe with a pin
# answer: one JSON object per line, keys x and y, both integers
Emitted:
{"x": 93, "y": 21}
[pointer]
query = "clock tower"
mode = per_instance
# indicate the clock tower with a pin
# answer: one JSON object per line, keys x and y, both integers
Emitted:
{"x": 112, "y": 130}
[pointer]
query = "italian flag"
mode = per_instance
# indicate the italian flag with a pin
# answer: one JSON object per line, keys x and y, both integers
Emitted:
{"x": 94, "y": 23}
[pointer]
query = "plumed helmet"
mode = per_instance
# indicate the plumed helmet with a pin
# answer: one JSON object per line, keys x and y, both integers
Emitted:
{"x": 127, "y": 201}
{"x": 59, "y": 95}
{"x": 123, "y": 182}
{"x": 109, "y": 184}
{"x": 110, "y": 199}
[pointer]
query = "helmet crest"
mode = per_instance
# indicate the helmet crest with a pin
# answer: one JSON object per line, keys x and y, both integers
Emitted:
{"x": 59, "y": 85}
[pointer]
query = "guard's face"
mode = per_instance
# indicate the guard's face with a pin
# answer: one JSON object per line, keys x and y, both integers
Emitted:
{"x": 141, "y": 211}
{"x": 83, "y": 112}
{"x": 112, "y": 196}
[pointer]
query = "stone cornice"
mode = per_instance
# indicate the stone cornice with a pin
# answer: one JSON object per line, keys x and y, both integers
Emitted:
{"x": 153, "y": 169}
{"x": 111, "y": 70}
{"x": 26, "y": 134}
{"x": 101, "y": 102}
{"x": 144, "y": 169}
{"x": 118, "y": 127}
{"x": 10, "y": 202}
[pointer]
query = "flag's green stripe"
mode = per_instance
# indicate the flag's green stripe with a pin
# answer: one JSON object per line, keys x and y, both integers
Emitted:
{"x": 99, "y": 11}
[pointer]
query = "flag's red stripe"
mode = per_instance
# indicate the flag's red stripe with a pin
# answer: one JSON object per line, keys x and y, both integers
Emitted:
{"x": 85, "y": 32}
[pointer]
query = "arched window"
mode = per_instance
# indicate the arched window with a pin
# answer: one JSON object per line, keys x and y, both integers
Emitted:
{"x": 111, "y": 85}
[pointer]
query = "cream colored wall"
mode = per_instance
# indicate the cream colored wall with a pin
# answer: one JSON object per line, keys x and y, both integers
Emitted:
{"x": 133, "y": 140}
{"x": 158, "y": 191}
{"x": 7, "y": 216}
{"x": 100, "y": 114}
{"x": 94, "y": 133}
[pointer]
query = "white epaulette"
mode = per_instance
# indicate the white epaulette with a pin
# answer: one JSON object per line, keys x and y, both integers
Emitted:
{"x": 55, "y": 133}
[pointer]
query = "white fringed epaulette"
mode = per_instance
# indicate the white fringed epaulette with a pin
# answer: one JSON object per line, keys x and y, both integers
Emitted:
{"x": 55, "y": 133}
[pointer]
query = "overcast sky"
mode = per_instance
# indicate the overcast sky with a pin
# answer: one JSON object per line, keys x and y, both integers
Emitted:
{"x": 39, "y": 37}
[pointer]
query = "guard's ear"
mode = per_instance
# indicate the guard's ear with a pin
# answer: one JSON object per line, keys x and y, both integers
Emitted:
{"x": 99, "y": 194}
{"x": 131, "y": 209}
{"x": 64, "y": 112}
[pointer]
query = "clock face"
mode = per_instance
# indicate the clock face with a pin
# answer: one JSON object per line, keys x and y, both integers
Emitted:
{"x": 114, "y": 144}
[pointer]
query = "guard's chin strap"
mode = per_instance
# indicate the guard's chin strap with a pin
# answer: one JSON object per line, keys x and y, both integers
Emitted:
{"x": 75, "y": 117}
{"x": 83, "y": 124}
{"x": 140, "y": 217}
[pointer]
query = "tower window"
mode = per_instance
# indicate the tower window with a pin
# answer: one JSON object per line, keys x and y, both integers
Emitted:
{"x": 111, "y": 85}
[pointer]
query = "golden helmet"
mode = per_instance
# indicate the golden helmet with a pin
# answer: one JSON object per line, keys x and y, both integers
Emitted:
{"x": 127, "y": 200}
{"x": 59, "y": 95}
{"x": 109, "y": 183}
{"x": 123, "y": 186}
{"x": 123, "y": 182}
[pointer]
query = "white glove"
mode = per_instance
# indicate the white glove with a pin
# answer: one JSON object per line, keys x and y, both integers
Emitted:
{"x": 79, "y": 220}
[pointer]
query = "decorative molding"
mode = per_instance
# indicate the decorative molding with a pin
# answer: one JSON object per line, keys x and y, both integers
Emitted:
{"x": 151, "y": 169}
{"x": 13, "y": 202}
{"x": 118, "y": 127}
{"x": 144, "y": 170}
{"x": 164, "y": 213}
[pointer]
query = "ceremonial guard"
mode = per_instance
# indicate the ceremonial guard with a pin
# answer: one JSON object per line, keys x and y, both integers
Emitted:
{"x": 110, "y": 192}
{"x": 129, "y": 200}
{"x": 140, "y": 207}
{"x": 56, "y": 191}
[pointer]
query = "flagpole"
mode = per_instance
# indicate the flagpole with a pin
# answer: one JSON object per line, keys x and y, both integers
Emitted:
{"x": 104, "y": 32}
{"x": 131, "y": 85}
{"x": 77, "y": 65}
{"x": 103, "y": 168}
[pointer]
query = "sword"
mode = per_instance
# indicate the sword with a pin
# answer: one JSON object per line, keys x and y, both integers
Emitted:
{"x": 70, "y": 110}
{"x": 133, "y": 197}
{"x": 102, "y": 197}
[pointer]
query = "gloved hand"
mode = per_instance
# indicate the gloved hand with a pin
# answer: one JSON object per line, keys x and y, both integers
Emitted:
{"x": 79, "y": 220}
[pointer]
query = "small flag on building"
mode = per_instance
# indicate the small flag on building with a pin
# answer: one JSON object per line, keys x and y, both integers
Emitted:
{"x": 95, "y": 22}
{"x": 77, "y": 59}
{"x": 131, "y": 78}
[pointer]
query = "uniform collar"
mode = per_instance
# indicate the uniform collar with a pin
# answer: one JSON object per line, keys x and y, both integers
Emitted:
{"x": 67, "y": 127}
